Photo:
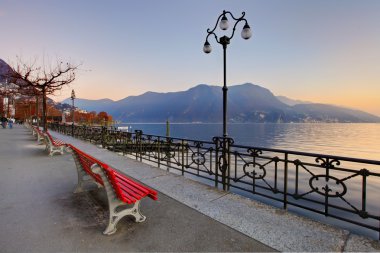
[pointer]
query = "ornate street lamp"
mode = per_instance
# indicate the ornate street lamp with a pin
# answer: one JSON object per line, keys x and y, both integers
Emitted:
{"x": 246, "y": 33}
{"x": 72, "y": 109}
{"x": 225, "y": 142}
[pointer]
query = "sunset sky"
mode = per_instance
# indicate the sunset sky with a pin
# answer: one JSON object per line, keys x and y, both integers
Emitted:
{"x": 320, "y": 51}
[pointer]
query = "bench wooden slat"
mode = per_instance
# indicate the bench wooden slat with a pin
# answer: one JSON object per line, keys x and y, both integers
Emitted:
{"x": 87, "y": 163}
{"x": 55, "y": 141}
{"x": 131, "y": 193}
{"x": 119, "y": 191}
{"x": 121, "y": 181}
{"x": 145, "y": 190}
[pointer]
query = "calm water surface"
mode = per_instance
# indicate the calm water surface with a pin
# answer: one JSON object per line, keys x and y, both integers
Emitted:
{"x": 351, "y": 140}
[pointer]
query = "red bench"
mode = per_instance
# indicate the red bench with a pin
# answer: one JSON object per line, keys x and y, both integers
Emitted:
{"x": 53, "y": 145}
{"x": 121, "y": 190}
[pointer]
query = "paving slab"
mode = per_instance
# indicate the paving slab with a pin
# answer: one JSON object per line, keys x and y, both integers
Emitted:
{"x": 357, "y": 243}
{"x": 277, "y": 228}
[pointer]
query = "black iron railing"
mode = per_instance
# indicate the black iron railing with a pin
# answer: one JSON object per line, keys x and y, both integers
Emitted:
{"x": 343, "y": 188}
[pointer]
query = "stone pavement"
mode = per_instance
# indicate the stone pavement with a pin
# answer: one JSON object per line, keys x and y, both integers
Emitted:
{"x": 40, "y": 213}
{"x": 170, "y": 225}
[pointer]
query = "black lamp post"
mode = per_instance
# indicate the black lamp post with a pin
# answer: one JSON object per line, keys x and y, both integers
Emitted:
{"x": 246, "y": 33}
{"x": 72, "y": 109}
{"x": 225, "y": 142}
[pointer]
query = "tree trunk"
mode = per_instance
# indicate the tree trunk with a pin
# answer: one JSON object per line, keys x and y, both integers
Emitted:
{"x": 30, "y": 112}
{"x": 1, "y": 105}
{"x": 44, "y": 109}
{"x": 9, "y": 103}
{"x": 37, "y": 109}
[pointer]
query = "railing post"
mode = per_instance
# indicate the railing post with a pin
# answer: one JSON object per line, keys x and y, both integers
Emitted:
{"x": 136, "y": 144}
{"x": 141, "y": 146}
{"x": 138, "y": 137}
{"x": 167, "y": 153}
{"x": 224, "y": 163}
{"x": 327, "y": 189}
{"x": 228, "y": 150}
{"x": 285, "y": 206}
{"x": 365, "y": 174}
{"x": 216, "y": 142}
{"x": 103, "y": 136}
{"x": 183, "y": 156}
{"x": 159, "y": 152}
{"x": 85, "y": 132}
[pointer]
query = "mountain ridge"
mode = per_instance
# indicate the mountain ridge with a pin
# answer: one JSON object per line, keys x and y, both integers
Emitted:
{"x": 203, "y": 103}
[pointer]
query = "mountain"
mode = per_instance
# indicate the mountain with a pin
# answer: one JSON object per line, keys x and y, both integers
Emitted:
{"x": 203, "y": 103}
{"x": 290, "y": 101}
{"x": 332, "y": 113}
{"x": 94, "y": 105}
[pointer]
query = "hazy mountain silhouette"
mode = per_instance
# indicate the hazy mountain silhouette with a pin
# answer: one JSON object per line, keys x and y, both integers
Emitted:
{"x": 90, "y": 105}
{"x": 5, "y": 69}
{"x": 332, "y": 113}
{"x": 203, "y": 103}
{"x": 292, "y": 102}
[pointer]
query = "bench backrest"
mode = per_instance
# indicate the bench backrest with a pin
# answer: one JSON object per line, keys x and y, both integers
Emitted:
{"x": 49, "y": 136}
{"x": 125, "y": 188}
{"x": 54, "y": 141}
{"x": 37, "y": 129}
{"x": 86, "y": 161}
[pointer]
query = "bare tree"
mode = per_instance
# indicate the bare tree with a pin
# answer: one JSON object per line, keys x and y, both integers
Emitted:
{"x": 45, "y": 80}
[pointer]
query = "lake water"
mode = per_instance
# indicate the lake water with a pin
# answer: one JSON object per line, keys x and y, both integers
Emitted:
{"x": 351, "y": 140}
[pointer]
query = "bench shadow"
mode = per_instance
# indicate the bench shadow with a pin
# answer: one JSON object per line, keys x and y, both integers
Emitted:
{"x": 84, "y": 210}
{"x": 89, "y": 209}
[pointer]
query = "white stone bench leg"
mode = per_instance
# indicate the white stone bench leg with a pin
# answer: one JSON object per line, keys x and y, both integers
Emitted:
{"x": 116, "y": 216}
{"x": 82, "y": 176}
{"x": 47, "y": 143}
{"x": 40, "y": 139}
{"x": 114, "y": 204}
{"x": 53, "y": 149}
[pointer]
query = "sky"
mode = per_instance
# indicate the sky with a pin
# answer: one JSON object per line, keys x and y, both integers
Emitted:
{"x": 325, "y": 51}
